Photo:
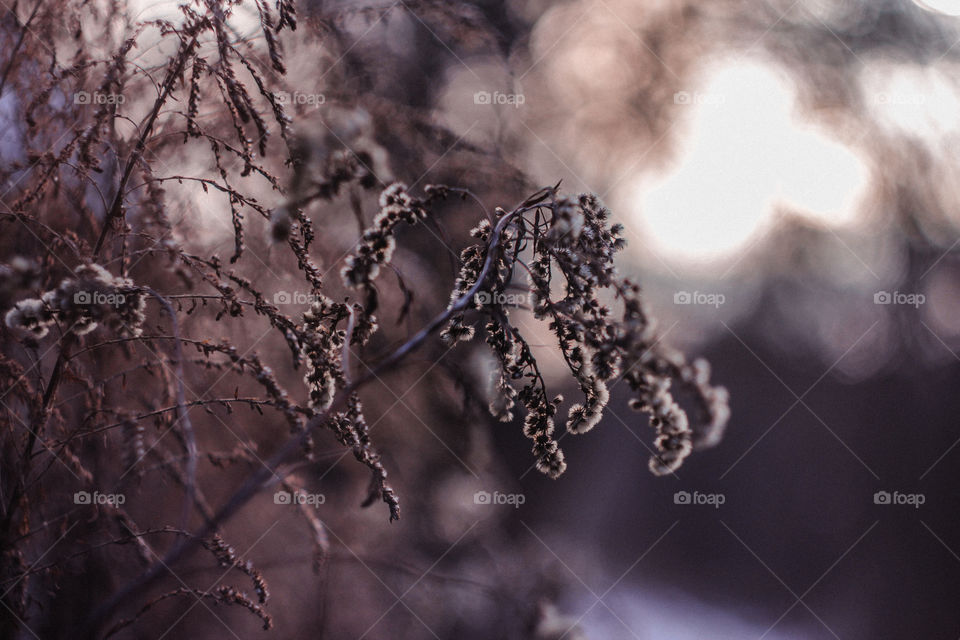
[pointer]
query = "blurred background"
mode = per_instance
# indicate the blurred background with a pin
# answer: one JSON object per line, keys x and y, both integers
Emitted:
{"x": 787, "y": 174}
{"x": 786, "y": 171}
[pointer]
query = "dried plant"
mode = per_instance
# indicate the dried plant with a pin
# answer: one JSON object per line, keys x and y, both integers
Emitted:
{"x": 106, "y": 294}
{"x": 573, "y": 240}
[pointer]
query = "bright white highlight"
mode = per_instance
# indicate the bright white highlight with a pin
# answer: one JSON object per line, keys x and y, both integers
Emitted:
{"x": 746, "y": 156}
{"x": 946, "y": 7}
{"x": 913, "y": 100}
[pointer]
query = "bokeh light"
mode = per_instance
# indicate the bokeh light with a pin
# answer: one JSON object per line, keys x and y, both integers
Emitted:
{"x": 746, "y": 155}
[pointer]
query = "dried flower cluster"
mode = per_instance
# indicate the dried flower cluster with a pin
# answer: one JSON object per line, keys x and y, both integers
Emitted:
{"x": 227, "y": 557}
{"x": 378, "y": 242}
{"x": 97, "y": 238}
{"x": 571, "y": 239}
{"x": 79, "y": 304}
{"x": 323, "y": 349}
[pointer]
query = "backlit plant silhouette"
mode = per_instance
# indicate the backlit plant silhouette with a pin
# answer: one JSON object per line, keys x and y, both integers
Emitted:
{"x": 103, "y": 291}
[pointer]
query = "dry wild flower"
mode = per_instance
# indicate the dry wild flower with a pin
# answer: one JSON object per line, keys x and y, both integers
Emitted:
{"x": 552, "y": 236}
{"x": 216, "y": 95}
{"x": 561, "y": 248}
{"x": 80, "y": 303}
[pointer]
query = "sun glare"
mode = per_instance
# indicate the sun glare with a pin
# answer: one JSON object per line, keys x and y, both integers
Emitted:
{"x": 913, "y": 100}
{"x": 946, "y": 7}
{"x": 745, "y": 155}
